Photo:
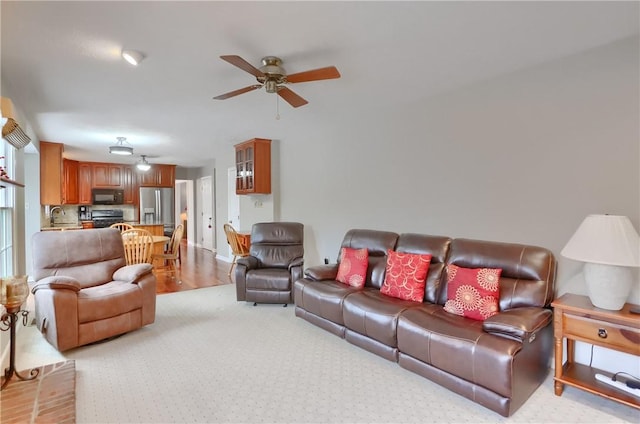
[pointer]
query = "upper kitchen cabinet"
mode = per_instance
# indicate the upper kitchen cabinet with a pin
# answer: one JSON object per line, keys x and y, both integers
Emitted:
{"x": 159, "y": 176}
{"x": 130, "y": 185}
{"x": 107, "y": 175}
{"x": 70, "y": 186}
{"x": 84, "y": 183}
{"x": 253, "y": 166}
{"x": 51, "y": 175}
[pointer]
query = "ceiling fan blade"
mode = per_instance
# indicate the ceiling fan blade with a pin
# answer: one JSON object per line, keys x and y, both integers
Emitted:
{"x": 329, "y": 72}
{"x": 237, "y": 92}
{"x": 290, "y": 97}
{"x": 243, "y": 64}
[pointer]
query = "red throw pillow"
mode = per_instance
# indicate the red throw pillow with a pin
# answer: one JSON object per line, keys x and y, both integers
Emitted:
{"x": 353, "y": 267}
{"x": 406, "y": 275}
{"x": 472, "y": 292}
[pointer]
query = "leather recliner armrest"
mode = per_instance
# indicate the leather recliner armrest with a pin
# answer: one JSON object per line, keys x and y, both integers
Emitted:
{"x": 248, "y": 261}
{"x": 322, "y": 272}
{"x": 132, "y": 273}
{"x": 296, "y": 262}
{"x": 519, "y": 323}
{"x": 57, "y": 282}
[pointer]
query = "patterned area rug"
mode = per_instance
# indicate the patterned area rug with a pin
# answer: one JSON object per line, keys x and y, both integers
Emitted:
{"x": 49, "y": 398}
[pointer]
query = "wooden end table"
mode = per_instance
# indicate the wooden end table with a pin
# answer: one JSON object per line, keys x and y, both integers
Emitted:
{"x": 575, "y": 318}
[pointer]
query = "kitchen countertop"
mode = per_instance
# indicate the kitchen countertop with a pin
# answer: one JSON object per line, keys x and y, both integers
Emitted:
{"x": 136, "y": 223}
{"x": 60, "y": 227}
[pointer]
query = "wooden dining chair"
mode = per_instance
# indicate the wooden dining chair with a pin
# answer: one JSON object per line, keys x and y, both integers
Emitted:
{"x": 237, "y": 248}
{"x": 122, "y": 226}
{"x": 138, "y": 246}
{"x": 172, "y": 253}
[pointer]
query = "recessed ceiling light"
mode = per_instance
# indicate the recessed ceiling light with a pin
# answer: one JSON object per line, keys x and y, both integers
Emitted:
{"x": 134, "y": 57}
{"x": 120, "y": 149}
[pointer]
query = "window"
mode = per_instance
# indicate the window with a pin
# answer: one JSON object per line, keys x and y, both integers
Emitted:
{"x": 7, "y": 205}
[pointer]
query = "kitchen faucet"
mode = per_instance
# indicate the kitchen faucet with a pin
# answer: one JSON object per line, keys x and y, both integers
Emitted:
{"x": 51, "y": 213}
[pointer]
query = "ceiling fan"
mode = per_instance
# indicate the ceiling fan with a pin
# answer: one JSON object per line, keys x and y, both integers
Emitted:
{"x": 273, "y": 78}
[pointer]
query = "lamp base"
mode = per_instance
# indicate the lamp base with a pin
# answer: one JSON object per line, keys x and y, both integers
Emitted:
{"x": 608, "y": 285}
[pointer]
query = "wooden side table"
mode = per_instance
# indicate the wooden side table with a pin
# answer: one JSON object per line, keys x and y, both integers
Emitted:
{"x": 575, "y": 318}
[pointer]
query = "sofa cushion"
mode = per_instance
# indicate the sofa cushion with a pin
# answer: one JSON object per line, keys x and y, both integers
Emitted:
{"x": 472, "y": 293}
{"x": 458, "y": 346}
{"x": 406, "y": 275}
{"x": 375, "y": 315}
{"x": 108, "y": 300}
{"x": 353, "y": 267}
{"x": 322, "y": 298}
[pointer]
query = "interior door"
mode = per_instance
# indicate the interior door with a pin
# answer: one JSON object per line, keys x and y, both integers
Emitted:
{"x": 207, "y": 224}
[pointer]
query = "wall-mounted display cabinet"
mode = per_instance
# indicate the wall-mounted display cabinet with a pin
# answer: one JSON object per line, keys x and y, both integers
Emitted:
{"x": 253, "y": 166}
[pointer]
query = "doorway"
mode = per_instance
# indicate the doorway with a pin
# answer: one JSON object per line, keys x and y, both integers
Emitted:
{"x": 206, "y": 227}
{"x": 184, "y": 208}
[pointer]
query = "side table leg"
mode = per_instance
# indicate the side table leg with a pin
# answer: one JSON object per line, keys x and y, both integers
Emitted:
{"x": 558, "y": 386}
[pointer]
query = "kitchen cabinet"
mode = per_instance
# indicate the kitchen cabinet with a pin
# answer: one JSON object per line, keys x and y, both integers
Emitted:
{"x": 51, "y": 176}
{"x": 159, "y": 176}
{"x": 107, "y": 175}
{"x": 84, "y": 183}
{"x": 130, "y": 183}
{"x": 253, "y": 166}
{"x": 70, "y": 178}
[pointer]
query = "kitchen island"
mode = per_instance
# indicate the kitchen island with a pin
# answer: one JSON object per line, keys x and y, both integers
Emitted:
{"x": 154, "y": 229}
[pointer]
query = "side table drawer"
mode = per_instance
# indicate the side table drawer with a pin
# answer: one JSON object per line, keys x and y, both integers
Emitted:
{"x": 602, "y": 333}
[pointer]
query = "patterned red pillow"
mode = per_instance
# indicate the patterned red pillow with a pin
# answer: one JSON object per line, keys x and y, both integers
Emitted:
{"x": 406, "y": 275}
{"x": 353, "y": 267}
{"x": 472, "y": 292}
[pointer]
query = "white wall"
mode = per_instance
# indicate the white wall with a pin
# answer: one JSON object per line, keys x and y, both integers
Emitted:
{"x": 520, "y": 158}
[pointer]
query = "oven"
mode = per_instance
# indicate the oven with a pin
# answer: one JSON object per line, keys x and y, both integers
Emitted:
{"x": 104, "y": 218}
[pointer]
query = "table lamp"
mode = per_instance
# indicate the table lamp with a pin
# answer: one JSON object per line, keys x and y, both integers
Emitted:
{"x": 609, "y": 246}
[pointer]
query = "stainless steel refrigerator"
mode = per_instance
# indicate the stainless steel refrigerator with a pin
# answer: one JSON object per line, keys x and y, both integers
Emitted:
{"x": 157, "y": 206}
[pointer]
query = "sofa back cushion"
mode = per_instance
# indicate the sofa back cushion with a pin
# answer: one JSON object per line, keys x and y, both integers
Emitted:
{"x": 377, "y": 243}
{"x": 528, "y": 272}
{"x": 437, "y": 247}
{"x": 277, "y": 244}
{"x": 89, "y": 256}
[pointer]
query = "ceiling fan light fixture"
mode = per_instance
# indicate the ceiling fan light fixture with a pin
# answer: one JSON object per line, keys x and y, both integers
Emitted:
{"x": 134, "y": 57}
{"x": 120, "y": 149}
{"x": 271, "y": 86}
{"x": 143, "y": 165}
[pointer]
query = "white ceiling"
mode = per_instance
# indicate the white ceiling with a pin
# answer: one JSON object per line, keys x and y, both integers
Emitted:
{"x": 61, "y": 63}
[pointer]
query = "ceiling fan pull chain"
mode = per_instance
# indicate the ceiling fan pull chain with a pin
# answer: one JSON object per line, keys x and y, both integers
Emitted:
{"x": 277, "y": 107}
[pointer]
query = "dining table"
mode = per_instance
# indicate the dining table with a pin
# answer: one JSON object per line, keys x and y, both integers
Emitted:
{"x": 159, "y": 243}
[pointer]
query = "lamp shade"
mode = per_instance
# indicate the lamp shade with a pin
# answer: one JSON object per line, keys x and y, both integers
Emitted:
{"x": 605, "y": 239}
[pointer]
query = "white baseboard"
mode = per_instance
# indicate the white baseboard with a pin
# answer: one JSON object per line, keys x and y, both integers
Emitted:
{"x": 228, "y": 259}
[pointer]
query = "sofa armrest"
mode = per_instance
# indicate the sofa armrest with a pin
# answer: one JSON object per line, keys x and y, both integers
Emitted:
{"x": 248, "y": 261}
{"x": 322, "y": 272}
{"x": 57, "y": 282}
{"x": 132, "y": 273}
{"x": 297, "y": 262}
{"x": 519, "y": 323}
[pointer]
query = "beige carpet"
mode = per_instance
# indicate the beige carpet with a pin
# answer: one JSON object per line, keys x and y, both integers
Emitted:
{"x": 208, "y": 358}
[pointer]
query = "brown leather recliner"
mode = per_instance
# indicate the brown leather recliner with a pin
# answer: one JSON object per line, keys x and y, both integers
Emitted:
{"x": 275, "y": 261}
{"x": 84, "y": 291}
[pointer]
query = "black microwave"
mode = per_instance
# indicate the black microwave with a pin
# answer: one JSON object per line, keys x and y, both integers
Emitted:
{"x": 107, "y": 196}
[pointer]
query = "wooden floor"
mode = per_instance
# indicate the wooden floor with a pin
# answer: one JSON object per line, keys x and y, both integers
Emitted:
{"x": 199, "y": 268}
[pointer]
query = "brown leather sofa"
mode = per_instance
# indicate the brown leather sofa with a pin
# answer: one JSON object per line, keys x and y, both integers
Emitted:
{"x": 497, "y": 363}
{"x": 275, "y": 261}
{"x": 84, "y": 291}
